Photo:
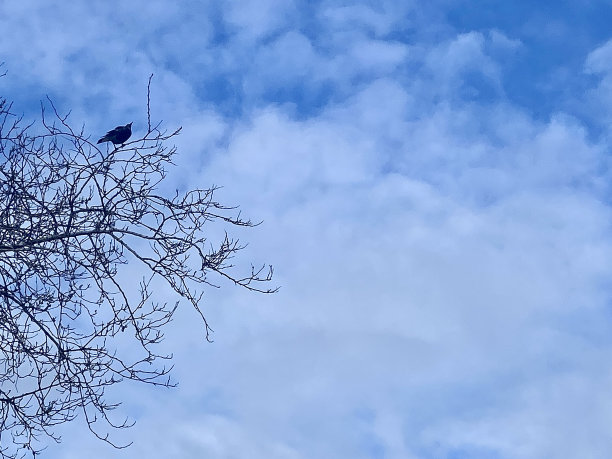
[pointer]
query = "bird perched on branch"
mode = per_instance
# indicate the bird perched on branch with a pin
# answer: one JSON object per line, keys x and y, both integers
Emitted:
{"x": 119, "y": 135}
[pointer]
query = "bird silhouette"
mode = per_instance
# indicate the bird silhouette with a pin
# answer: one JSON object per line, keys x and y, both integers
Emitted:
{"x": 119, "y": 135}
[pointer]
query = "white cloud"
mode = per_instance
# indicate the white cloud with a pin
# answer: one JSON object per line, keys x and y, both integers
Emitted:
{"x": 502, "y": 42}
{"x": 598, "y": 61}
{"x": 599, "y": 98}
{"x": 258, "y": 19}
{"x": 449, "y": 63}
{"x": 399, "y": 292}
{"x": 540, "y": 420}
{"x": 379, "y": 20}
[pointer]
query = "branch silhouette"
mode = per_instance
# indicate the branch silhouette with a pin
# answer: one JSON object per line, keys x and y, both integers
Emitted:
{"x": 71, "y": 215}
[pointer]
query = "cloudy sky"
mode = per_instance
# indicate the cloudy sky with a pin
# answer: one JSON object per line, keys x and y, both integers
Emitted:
{"x": 435, "y": 188}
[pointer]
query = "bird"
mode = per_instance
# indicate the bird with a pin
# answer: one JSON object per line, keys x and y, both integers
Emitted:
{"x": 119, "y": 135}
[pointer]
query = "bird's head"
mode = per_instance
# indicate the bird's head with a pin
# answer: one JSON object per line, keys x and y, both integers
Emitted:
{"x": 129, "y": 125}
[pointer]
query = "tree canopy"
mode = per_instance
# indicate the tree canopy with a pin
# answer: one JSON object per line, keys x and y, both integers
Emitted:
{"x": 71, "y": 215}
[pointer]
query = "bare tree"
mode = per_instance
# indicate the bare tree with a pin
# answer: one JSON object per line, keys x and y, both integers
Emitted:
{"x": 71, "y": 215}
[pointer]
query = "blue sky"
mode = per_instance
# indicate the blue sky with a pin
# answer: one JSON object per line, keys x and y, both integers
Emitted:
{"x": 434, "y": 185}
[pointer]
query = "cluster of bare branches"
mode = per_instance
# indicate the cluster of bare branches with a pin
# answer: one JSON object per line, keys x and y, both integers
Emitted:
{"x": 71, "y": 215}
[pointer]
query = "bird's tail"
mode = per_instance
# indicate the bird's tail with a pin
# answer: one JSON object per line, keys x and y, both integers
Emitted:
{"x": 103, "y": 139}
